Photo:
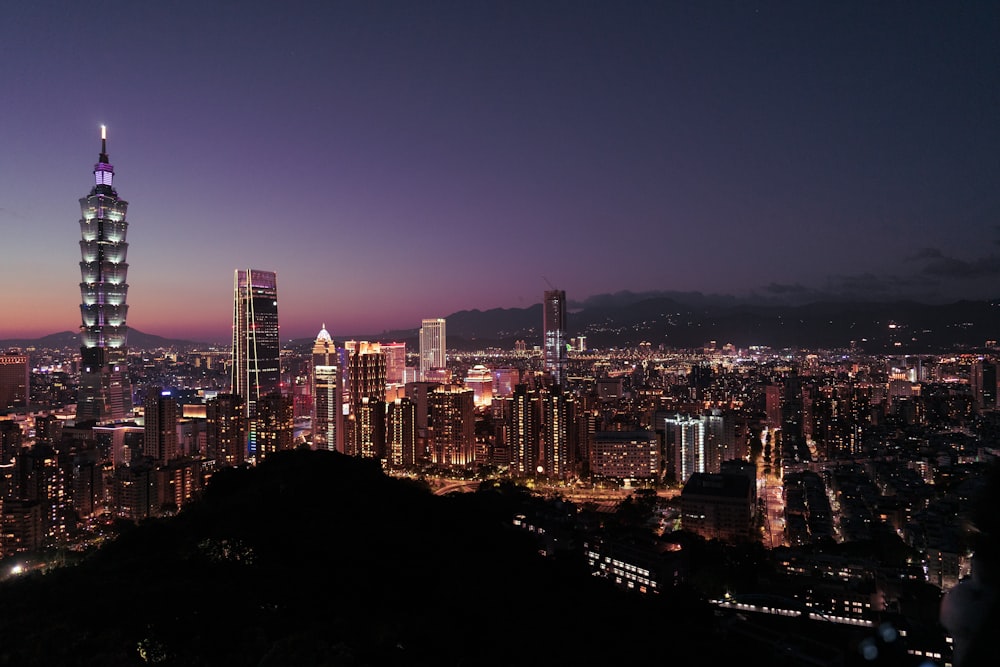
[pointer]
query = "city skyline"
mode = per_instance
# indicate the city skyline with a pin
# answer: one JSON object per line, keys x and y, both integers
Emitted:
{"x": 776, "y": 151}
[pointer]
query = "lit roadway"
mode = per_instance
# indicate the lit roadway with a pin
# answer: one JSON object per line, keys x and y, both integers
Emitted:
{"x": 460, "y": 485}
{"x": 605, "y": 499}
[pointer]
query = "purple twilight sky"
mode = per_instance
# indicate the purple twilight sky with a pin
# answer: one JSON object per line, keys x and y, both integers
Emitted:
{"x": 399, "y": 160}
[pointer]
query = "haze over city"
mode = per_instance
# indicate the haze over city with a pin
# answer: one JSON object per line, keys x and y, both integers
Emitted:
{"x": 393, "y": 161}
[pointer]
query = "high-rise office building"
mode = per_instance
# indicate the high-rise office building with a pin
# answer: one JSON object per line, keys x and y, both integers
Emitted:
{"x": 226, "y": 430}
{"x": 328, "y": 409}
{"x": 554, "y": 328}
{"x": 697, "y": 443}
{"x": 366, "y": 386}
{"x": 15, "y": 377}
{"x": 625, "y": 455}
{"x": 48, "y": 430}
{"x": 369, "y": 428}
{"x": 365, "y": 371}
{"x": 401, "y": 433}
{"x": 983, "y": 382}
{"x": 718, "y": 506}
{"x": 324, "y": 351}
{"x": 160, "y": 415}
{"x": 87, "y": 483}
{"x": 327, "y": 395}
{"x": 395, "y": 362}
{"x": 105, "y": 392}
{"x": 772, "y": 405}
{"x": 685, "y": 442}
{"x": 41, "y": 479}
{"x": 417, "y": 392}
{"x": 524, "y": 432}
{"x": 791, "y": 436}
{"x": 11, "y": 437}
{"x": 256, "y": 363}
{"x": 480, "y": 380}
{"x": 504, "y": 381}
{"x": 275, "y": 425}
{"x": 451, "y": 426}
{"x": 558, "y": 436}
{"x": 433, "y": 341}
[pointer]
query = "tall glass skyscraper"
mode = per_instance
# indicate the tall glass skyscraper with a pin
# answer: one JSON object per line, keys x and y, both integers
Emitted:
{"x": 105, "y": 391}
{"x": 554, "y": 327}
{"x": 256, "y": 364}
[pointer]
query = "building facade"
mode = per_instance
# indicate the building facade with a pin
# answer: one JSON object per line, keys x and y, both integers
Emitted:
{"x": 15, "y": 382}
{"x": 625, "y": 455}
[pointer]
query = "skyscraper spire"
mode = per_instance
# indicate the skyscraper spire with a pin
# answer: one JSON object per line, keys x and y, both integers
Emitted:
{"x": 104, "y": 172}
{"x": 105, "y": 392}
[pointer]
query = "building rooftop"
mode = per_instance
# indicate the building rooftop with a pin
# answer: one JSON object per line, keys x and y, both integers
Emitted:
{"x": 712, "y": 484}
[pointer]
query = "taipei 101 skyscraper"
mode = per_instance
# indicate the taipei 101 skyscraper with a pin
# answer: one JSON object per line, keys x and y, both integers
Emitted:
{"x": 105, "y": 391}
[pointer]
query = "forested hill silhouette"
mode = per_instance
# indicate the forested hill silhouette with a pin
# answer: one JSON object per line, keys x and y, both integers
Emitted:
{"x": 314, "y": 558}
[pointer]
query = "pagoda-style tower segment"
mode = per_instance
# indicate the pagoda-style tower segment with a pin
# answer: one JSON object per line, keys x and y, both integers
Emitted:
{"x": 105, "y": 392}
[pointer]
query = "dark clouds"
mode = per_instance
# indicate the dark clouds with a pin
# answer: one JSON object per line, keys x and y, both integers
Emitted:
{"x": 954, "y": 268}
{"x": 934, "y": 279}
{"x": 927, "y": 253}
{"x": 779, "y": 288}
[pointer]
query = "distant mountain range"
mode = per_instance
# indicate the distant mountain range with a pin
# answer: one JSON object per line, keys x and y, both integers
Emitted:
{"x": 898, "y": 326}
{"x": 137, "y": 340}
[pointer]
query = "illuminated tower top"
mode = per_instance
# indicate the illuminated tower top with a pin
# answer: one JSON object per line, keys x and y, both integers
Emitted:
{"x": 104, "y": 171}
{"x": 324, "y": 351}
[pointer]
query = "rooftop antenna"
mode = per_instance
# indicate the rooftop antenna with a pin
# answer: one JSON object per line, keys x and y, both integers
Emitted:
{"x": 551, "y": 286}
{"x": 104, "y": 144}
